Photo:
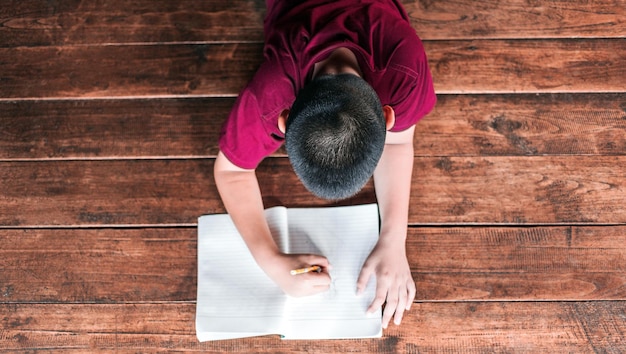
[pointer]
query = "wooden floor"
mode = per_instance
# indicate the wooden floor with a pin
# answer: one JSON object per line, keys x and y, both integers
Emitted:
{"x": 109, "y": 115}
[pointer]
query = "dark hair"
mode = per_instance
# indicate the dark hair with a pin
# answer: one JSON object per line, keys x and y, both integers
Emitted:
{"x": 335, "y": 135}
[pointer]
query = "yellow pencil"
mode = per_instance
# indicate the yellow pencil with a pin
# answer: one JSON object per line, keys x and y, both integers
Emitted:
{"x": 314, "y": 268}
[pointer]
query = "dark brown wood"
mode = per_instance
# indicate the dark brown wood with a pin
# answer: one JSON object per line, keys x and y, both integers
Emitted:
{"x": 468, "y": 327}
{"x": 187, "y": 127}
{"x": 518, "y": 190}
{"x": 130, "y": 71}
{"x": 44, "y": 23}
{"x": 538, "y": 263}
{"x": 98, "y": 266}
{"x": 519, "y": 66}
{"x": 39, "y": 22}
{"x": 446, "y": 190}
{"x": 486, "y": 66}
{"x": 516, "y": 19}
{"x": 460, "y": 125}
{"x": 109, "y": 118}
{"x": 448, "y": 264}
{"x": 131, "y": 192}
{"x": 493, "y": 125}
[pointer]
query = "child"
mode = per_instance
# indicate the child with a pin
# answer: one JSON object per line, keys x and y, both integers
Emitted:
{"x": 342, "y": 84}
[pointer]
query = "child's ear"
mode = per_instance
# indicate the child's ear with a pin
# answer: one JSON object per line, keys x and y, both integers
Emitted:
{"x": 390, "y": 116}
{"x": 282, "y": 120}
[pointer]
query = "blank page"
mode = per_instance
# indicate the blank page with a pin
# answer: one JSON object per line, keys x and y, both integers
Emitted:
{"x": 235, "y": 297}
{"x": 346, "y": 236}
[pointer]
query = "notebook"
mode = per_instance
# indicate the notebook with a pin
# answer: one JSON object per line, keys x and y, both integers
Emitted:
{"x": 236, "y": 298}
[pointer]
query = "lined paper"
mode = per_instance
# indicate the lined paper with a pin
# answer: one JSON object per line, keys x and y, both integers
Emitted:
{"x": 346, "y": 236}
{"x": 236, "y": 298}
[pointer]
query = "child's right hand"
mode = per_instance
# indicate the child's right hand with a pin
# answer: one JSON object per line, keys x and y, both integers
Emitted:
{"x": 278, "y": 269}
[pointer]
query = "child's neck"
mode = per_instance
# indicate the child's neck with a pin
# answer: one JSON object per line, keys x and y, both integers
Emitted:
{"x": 340, "y": 61}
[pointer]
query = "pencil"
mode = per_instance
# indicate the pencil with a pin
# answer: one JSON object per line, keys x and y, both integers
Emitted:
{"x": 314, "y": 268}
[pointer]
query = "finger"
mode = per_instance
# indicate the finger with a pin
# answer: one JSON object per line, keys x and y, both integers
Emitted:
{"x": 382, "y": 287}
{"x": 402, "y": 295}
{"x": 317, "y": 279}
{"x": 321, "y": 261}
{"x": 411, "y": 296}
{"x": 390, "y": 307}
{"x": 364, "y": 277}
{"x": 320, "y": 289}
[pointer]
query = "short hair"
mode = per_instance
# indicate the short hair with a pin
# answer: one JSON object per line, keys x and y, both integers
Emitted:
{"x": 335, "y": 135}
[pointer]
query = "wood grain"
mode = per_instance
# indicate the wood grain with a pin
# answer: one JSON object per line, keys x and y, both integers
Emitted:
{"x": 109, "y": 119}
{"x": 460, "y": 125}
{"x": 130, "y": 192}
{"x": 98, "y": 266}
{"x": 530, "y": 125}
{"x": 516, "y": 19}
{"x": 448, "y": 264}
{"x": 511, "y": 263}
{"x": 468, "y": 327}
{"x": 129, "y": 71}
{"x": 520, "y": 66}
{"x": 140, "y": 71}
{"x": 446, "y": 190}
{"x": 44, "y": 23}
{"x": 518, "y": 190}
{"x": 150, "y": 128}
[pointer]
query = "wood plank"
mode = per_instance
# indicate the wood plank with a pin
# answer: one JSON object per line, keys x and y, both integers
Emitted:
{"x": 486, "y": 66}
{"x": 551, "y": 124}
{"x": 448, "y": 264}
{"x": 127, "y": 71}
{"x": 538, "y": 263}
{"x": 112, "y": 128}
{"x": 517, "y": 19}
{"x": 446, "y": 190}
{"x": 39, "y": 22}
{"x": 131, "y": 192}
{"x": 519, "y": 190}
{"x": 483, "y": 66}
{"x": 468, "y": 327}
{"x": 109, "y": 115}
{"x": 98, "y": 266}
{"x": 460, "y": 125}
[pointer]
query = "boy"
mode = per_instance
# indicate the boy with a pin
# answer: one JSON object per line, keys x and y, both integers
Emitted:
{"x": 342, "y": 84}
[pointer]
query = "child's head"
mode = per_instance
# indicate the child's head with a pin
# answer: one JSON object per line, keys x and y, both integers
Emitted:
{"x": 335, "y": 135}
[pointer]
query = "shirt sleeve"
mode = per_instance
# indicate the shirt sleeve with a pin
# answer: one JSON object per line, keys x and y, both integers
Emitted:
{"x": 244, "y": 138}
{"x": 251, "y": 131}
{"x": 408, "y": 83}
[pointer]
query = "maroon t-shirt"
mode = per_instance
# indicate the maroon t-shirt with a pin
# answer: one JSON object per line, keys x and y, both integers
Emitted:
{"x": 299, "y": 34}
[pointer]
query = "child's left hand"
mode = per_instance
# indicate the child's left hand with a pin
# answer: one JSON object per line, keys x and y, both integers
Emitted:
{"x": 394, "y": 282}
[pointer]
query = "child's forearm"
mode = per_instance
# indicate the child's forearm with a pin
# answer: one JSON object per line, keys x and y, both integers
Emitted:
{"x": 240, "y": 193}
{"x": 392, "y": 181}
{"x": 388, "y": 261}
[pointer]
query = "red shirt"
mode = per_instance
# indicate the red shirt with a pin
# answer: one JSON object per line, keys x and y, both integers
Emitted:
{"x": 300, "y": 34}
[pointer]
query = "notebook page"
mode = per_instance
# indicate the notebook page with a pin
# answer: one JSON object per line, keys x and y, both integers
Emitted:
{"x": 346, "y": 236}
{"x": 235, "y": 297}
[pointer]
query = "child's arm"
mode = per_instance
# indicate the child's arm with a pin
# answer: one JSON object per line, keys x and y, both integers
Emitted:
{"x": 241, "y": 196}
{"x": 392, "y": 181}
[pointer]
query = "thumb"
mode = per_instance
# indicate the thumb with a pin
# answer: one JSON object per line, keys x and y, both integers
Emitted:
{"x": 321, "y": 261}
{"x": 364, "y": 277}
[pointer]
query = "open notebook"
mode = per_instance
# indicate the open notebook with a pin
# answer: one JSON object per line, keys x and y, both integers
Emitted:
{"x": 236, "y": 299}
